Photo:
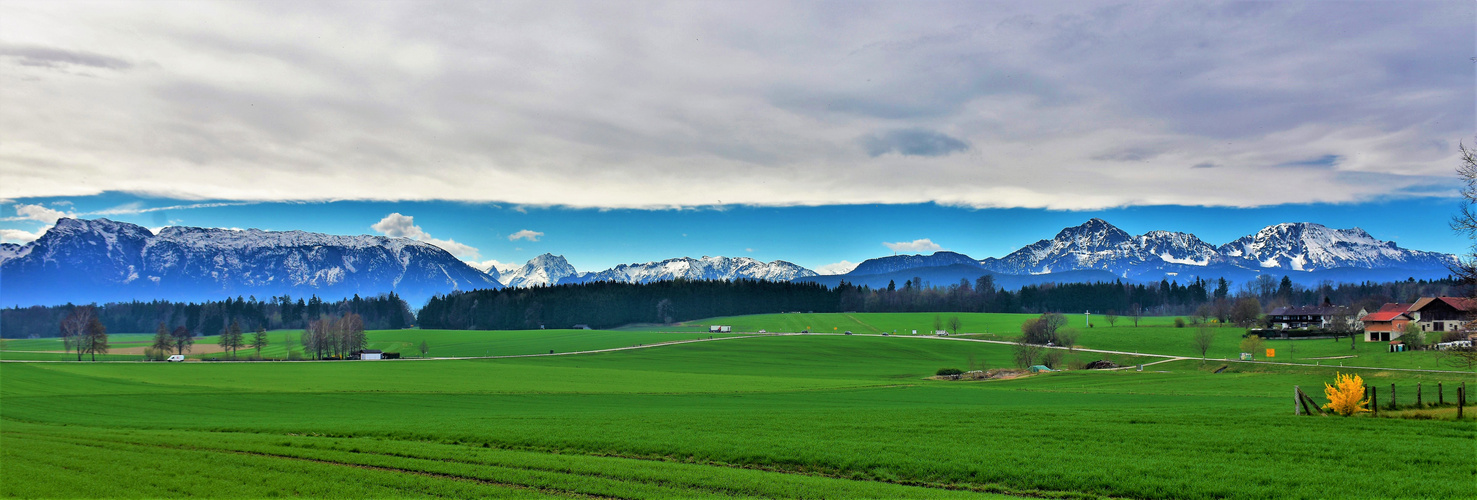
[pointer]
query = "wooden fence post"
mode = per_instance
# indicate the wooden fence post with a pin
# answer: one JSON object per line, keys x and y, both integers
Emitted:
{"x": 1311, "y": 405}
{"x": 1440, "y": 395}
{"x": 1297, "y": 408}
{"x": 1374, "y": 400}
{"x": 1392, "y": 396}
{"x": 1461, "y": 399}
{"x": 1418, "y": 395}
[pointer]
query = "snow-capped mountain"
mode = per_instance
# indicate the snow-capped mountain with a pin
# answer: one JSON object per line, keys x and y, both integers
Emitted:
{"x": 549, "y": 269}
{"x": 893, "y": 263}
{"x": 1093, "y": 245}
{"x": 1096, "y": 250}
{"x": 1283, "y": 248}
{"x": 1306, "y": 246}
{"x": 100, "y": 260}
{"x": 706, "y": 268}
{"x": 546, "y": 269}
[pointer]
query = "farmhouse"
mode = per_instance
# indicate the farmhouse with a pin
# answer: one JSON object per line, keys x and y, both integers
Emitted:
{"x": 1387, "y": 323}
{"x": 1305, "y": 316}
{"x": 1442, "y": 314}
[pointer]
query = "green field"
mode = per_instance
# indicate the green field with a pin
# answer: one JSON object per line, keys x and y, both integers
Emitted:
{"x": 441, "y": 343}
{"x": 1153, "y": 335}
{"x": 819, "y": 416}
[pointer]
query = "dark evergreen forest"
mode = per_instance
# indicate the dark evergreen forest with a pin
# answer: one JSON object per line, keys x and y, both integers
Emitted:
{"x": 210, "y": 318}
{"x": 609, "y": 304}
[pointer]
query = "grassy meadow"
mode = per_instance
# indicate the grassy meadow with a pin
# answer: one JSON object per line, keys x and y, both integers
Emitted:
{"x": 752, "y": 416}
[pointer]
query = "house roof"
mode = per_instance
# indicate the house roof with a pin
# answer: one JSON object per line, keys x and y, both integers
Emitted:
{"x": 1396, "y": 306}
{"x": 1308, "y": 311}
{"x": 1458, "y": 303}
{"x": 371, "y": 351}
{"x": 1382, "y": 315}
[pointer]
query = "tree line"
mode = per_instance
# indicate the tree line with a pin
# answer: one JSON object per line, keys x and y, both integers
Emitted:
{"x": 382, "y": 312}
{"x": 610, "y": 304}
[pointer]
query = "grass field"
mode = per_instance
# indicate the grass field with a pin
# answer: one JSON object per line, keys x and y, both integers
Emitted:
{"x": 1153, "y": 335}
{"x": 753, "y": 416}
{"x": 441, "y": 343}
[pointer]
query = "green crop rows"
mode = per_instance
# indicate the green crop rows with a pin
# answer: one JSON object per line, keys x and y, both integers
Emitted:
{"x": 751, "y": 416}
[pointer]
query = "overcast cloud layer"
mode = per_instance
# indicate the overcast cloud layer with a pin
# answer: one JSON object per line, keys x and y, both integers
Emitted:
{"x": 619, "y": 104}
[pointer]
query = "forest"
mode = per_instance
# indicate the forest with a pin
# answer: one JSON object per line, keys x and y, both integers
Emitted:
{"x": 608, "y": 304}
{"x": 383, "y": 312}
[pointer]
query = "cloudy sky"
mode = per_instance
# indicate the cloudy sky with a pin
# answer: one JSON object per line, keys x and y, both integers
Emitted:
{"x": 476, "y": 121}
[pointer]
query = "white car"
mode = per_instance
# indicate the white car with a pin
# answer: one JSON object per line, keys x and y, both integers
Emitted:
{"x": 176, "y": 357}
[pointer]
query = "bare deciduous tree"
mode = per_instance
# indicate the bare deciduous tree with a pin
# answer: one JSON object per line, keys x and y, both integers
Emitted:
{"x": 74, "y": 328}
{"x": 1067, "y": 337}
{"x": 1204, "y": 336}
{"x": 1025, "y": 353}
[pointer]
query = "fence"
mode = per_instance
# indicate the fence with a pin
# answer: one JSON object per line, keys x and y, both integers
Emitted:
{"x": 1302, "y": 404}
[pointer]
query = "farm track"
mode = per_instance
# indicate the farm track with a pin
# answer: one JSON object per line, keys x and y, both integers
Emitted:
{"x": 1180, "y": 358}
{"x": 1169, "y": 358}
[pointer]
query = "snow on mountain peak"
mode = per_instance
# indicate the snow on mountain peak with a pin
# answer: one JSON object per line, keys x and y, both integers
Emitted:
{"x": 101, "y": 260}
{"x": 549, "y": 271}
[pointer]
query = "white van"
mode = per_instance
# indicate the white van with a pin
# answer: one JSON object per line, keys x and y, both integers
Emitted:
{"x": 176, "y": 357}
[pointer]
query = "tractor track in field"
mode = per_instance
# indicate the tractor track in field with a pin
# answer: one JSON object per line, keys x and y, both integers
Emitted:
{"x": 437, "y": 475}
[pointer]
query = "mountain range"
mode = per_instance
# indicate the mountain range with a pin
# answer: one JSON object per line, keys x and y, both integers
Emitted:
{"x": 100, "y": 260}
{"x": 1096, "y": 250}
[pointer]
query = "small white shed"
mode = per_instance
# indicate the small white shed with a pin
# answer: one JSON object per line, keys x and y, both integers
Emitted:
{"x": 371, "y": 354}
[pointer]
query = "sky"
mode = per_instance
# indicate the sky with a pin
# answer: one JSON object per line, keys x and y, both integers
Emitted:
{"x": 821, "y": 133}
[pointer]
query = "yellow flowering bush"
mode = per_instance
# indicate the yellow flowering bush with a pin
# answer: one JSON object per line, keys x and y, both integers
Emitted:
{"x": 1347, "y": 397}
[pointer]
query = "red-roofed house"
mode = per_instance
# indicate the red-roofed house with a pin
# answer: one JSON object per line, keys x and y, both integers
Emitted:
{"x": 1387, "y": 323}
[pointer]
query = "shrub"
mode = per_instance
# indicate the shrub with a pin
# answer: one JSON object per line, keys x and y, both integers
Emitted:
{"x": 294, "y": 356}
{"x": 944, "y": 372}
{"x": 1347, "y": 398}
{"x": 152, "y": 354}
{"x": 1053, "y": 358}
{"x": 1179, "y": 322}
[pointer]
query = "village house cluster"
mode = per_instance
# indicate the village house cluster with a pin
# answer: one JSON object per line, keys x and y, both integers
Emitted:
{"x": 1430, "y": 314}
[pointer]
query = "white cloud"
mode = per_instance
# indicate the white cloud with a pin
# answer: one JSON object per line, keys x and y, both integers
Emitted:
{"x": 399, "y": 226}
{"x": 842, "y": 267}
{"x": 924, "y": 245}
{"x": 994, "y": 104}
{"x": 19, "y": 236}
{"x": 396, "y": 225}
{"x": 525, "y": 235}
{"x": 750, "y": 250}
{"x": 40, "y": 213}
